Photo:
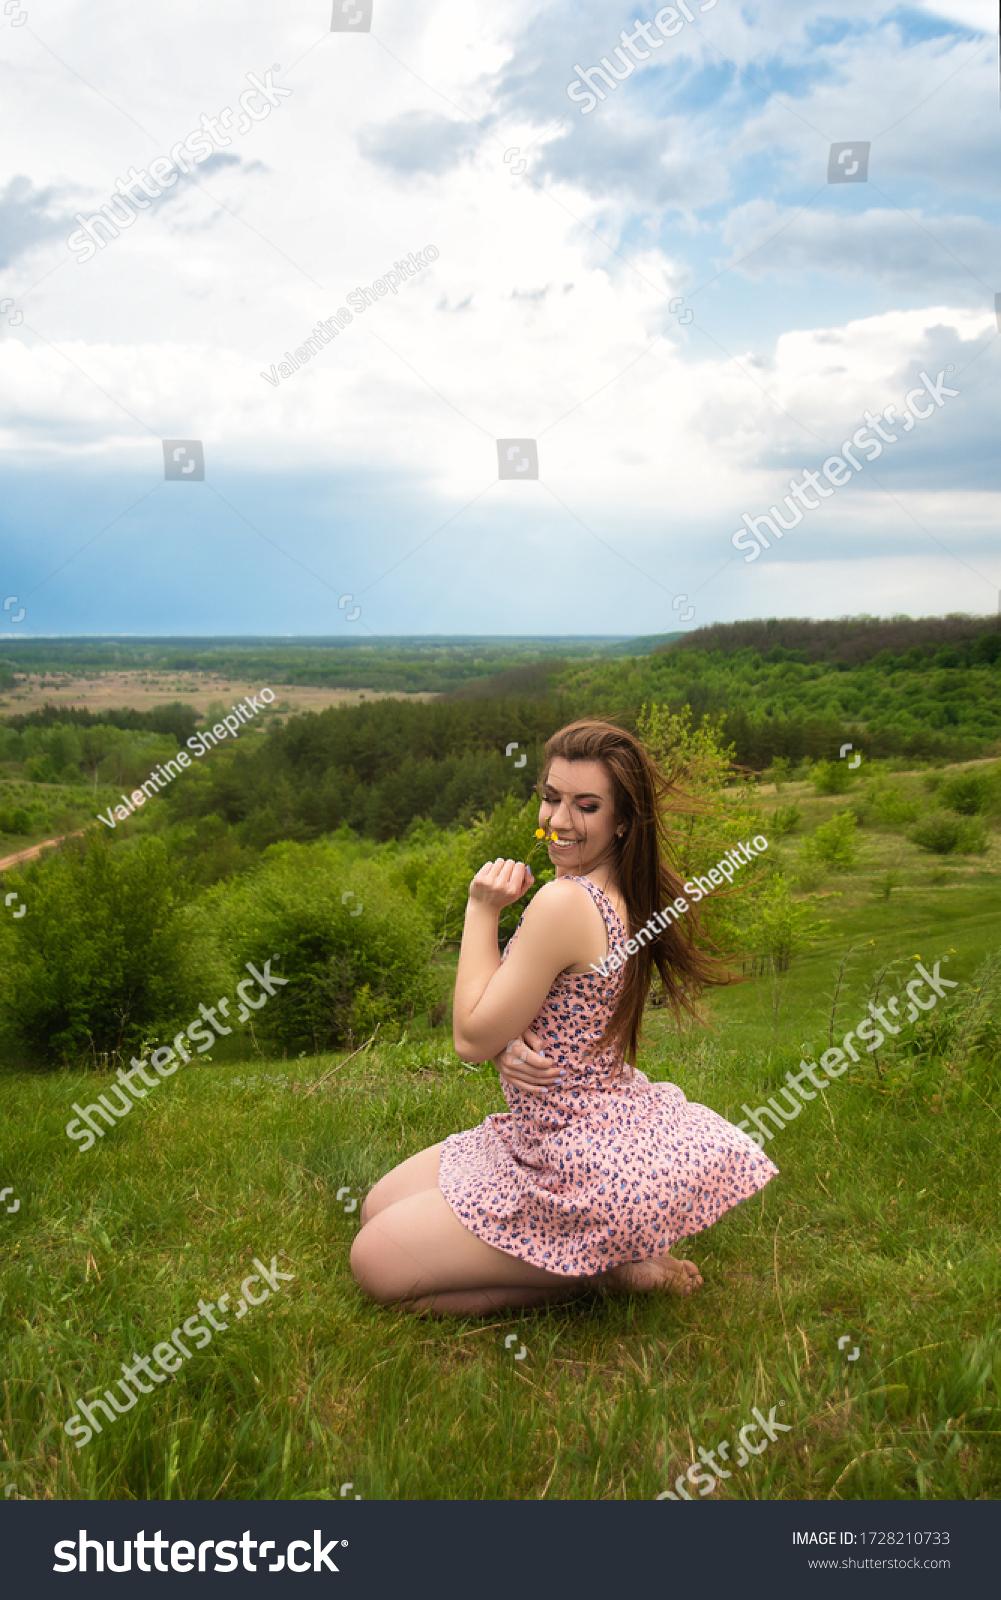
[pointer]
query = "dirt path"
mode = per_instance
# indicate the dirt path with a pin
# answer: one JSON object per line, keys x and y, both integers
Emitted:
{"x": 35, "y": 850}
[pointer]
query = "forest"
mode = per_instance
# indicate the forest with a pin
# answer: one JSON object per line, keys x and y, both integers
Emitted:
{"x": 381, "y": 767}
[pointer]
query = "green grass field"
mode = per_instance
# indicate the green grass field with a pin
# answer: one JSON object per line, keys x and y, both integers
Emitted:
{"x": 882, "y": 1227}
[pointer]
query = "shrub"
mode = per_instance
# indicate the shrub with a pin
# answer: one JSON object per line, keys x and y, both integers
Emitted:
{"x": 16, "y": 821}
{"x": 831, "y": 777}
{"x": 937, "y": 832}
{"x": 103, "y": 955}
{"x": 785, "y": 819}
{"x": 41, "y": 769}
{"x": 352, "y": 944}
{"x": 968, "y": 793}
{"x": 834, "y": 842}
{"x": 973, "y": 839}
{"x": 434, "y": 866}
{"x": 943, "y": 834}
{"x": 941, "y": 875}
{"x": 779, "y": 927}
{"x": 887, "y": 883}
{"x": 891, "y": 808}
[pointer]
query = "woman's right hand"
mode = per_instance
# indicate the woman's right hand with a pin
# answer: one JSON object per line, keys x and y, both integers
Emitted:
{"x": 522, "y": 1065}
{"x": 498, "y": 884}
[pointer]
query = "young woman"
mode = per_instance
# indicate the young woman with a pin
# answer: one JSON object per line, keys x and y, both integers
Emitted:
{"x": 594, "y": 1173}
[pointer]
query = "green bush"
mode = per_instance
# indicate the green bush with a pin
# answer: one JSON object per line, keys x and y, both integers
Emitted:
{"x": 890, "y": 806}
{"x": 834, "y": 842}
{"x": 17, "y": 821}
{"x": 938, "y": 833}
{"x": 973, "y": 840}
{"x": 885, "y": 885}
{"x": 785, "y": 819}
{"x": 351, "y": 942}
{"x": 831, "y": 777}
{"x": 779, "y": 926}
{"x": 968, "y": 793}
{"x": 433, "y": 865}
{"x": 102, "y": 956}
{"x": 943, "y": 834}
{"x": 40, "y": 769}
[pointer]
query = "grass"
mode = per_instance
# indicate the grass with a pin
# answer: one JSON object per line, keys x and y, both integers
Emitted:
{"x": 882, "y": 1226}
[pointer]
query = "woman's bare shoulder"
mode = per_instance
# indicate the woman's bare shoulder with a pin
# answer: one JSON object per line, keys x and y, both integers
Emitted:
{"x": 562, "y": 904}
{"x": 560, "y": 895}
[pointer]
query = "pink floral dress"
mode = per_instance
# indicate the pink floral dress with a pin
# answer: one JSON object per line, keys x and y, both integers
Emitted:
{"x": 600, "y": 1170}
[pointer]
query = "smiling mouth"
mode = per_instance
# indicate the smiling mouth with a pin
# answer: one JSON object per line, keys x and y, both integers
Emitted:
{"x": 564, "y": 844}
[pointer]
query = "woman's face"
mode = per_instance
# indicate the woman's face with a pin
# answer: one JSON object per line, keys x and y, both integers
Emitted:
{"x": 577, "y": 805}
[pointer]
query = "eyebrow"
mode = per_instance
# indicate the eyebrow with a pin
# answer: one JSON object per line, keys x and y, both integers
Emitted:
{"x": 587, "y": 796}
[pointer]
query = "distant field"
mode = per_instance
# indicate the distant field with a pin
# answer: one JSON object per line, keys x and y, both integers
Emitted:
{"x": 141, "y": 691}
{"x": 399, "y": 665}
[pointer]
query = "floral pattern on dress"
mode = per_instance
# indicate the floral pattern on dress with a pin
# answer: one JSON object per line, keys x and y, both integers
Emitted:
{"x": 600, "y": 1170}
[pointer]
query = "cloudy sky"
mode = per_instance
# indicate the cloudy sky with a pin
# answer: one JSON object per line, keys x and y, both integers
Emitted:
{"x": 661, "y": 288}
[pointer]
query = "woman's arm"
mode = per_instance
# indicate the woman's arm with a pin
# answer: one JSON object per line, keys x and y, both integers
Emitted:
{"x": 496, "y": 1001}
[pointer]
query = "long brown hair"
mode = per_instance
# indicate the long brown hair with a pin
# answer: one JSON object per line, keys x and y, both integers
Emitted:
{"x": 642, "y": 863}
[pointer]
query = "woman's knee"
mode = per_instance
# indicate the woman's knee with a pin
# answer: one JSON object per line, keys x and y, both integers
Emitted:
{"x": 364, "y": 1268}
{"x": 372, "y": 1267}
{"x": 377, "y": 1199}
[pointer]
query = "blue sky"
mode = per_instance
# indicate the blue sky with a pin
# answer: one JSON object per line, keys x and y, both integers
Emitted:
{"x": 663, "y": 291}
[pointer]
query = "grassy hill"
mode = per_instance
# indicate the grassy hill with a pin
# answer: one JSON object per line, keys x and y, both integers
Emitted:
{"x": 881, "y": 1229}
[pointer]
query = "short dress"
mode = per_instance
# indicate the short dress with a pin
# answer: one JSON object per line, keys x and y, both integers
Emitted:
{"x": 600, "y": 1170}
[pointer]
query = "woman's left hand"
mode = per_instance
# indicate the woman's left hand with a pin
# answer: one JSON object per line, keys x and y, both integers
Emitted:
{"x": 500, "y": 883}
{"x": 522, "y": 1065}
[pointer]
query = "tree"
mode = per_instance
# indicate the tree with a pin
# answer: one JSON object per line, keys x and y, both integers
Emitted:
{"x": 96, "y": 744}
{"x": 714, "y": 809}
{"x": 779, "y": 927}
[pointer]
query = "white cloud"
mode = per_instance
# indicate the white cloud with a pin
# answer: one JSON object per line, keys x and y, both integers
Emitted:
{"x": 535, "y": 319}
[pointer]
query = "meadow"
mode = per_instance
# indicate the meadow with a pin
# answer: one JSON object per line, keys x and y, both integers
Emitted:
{"x": 879, "y": 1236}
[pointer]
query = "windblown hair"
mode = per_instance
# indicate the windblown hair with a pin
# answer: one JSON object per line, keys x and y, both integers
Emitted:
{"x": 642, "y": 863}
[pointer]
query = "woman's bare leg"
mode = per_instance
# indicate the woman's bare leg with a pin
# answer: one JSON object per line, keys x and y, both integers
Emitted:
{"x": 490, "y": 1280}
{"x": 410, "y": 1177}
{"x": 416, "y": 1252}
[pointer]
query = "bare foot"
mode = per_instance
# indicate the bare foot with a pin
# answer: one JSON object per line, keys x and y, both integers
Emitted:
{"x": 664, "y": 1273}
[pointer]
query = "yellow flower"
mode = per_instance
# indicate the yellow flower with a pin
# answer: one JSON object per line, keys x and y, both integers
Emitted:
{"x": 540, "y": 833}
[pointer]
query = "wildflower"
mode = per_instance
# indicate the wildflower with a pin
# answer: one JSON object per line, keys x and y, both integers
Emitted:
{"x": 540, "y": 833}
